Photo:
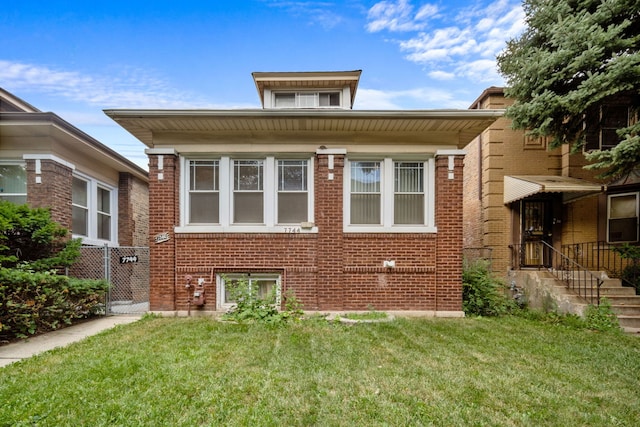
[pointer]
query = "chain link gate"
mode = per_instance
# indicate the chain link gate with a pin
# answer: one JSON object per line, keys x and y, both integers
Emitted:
{"x": 126, "y": 268}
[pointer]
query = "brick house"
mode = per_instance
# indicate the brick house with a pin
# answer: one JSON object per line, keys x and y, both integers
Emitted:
{"x": 519, "y": 194}
{"x": 348, "y": 209}
{"x": 98, "y": 194}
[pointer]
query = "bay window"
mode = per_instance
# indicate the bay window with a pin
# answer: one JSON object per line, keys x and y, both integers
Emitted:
{"x": 389, "y": 195}
{"x": 227, "y": 194}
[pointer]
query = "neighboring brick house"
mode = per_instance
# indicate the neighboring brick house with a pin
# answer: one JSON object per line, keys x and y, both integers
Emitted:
{"x": 348, "y": 209}
{"x": 519, "y": 193}
{"x": 98, "y": 194}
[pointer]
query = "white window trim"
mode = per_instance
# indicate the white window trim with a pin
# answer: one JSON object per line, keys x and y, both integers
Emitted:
{"x": 92, "y": 221}
{"x": 220, "y": 289}
{"x": 345, "y": 97}
{"x": 270, "y": 193}
{"x": 633, "y": 193}
{"x": 387, "y": 196}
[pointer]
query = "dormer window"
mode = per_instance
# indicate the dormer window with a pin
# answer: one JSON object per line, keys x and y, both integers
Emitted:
{"x": 306, "y": 100}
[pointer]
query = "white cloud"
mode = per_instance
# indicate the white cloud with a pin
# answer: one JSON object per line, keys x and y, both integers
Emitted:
{"x": 465, "y": 45}
{"x": 442, "y": 75}
{"x": 129, "y": 89}
{"x": 418, "y": 99}
{"x": 399, "y": 16}
{"x": 315, "y": 12}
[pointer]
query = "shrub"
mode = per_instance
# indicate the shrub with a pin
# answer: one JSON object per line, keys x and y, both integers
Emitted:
{"x": 35, "y": 302}
{"x": 601, "y": 317}
{"x": 249, "y": 306}
{"x": 631, "y": 273}
{"x": 29, "y": 238}
{"x": 482, "y": 293}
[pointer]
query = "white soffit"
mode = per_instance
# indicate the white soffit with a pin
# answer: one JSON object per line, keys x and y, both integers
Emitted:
{"x": 519, "y": 187}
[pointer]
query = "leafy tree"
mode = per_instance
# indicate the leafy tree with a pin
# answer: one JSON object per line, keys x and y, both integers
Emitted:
{"x": 573, "y": 57}
{"x": 30, "y": 239}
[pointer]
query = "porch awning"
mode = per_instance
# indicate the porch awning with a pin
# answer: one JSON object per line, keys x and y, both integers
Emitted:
{"x": 521, "y": 186}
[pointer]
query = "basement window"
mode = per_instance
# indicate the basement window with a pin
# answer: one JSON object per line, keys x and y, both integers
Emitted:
{"x": 263, "y": 286}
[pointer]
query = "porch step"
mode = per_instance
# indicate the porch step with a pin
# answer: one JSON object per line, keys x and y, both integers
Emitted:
{"x": 624, "y": 300}
{"x": 608, "y": 290}
{"x": 626, "y": 310}
{"x": 629, "y": 322}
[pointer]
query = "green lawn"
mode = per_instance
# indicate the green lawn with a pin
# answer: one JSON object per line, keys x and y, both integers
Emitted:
{"x": 445, "y": 372}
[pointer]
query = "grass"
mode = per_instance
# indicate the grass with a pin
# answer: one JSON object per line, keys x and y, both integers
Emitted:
{"x": 409, "y": 372}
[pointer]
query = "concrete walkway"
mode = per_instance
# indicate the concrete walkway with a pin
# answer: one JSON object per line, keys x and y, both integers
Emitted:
{"x": 13, "y": 352}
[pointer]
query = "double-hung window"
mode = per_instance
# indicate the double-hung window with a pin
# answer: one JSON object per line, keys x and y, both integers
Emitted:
{"x": 13, "y": 183}
{"x": 204, "y": 191}
{"x": 623, "y": 218}
{"x": 248, "y": 191}
{"x": 293, "y": 195}
{"x": 93, "y": 210}
{"x": 262, "y": 195}
{"x": 601, "y": 126}
{"x": 389, "y": 195}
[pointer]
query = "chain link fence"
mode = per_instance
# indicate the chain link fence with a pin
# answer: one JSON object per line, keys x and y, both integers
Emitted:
{"x": 126, "y": 268}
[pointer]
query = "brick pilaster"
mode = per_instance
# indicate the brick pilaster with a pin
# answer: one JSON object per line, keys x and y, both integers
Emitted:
{"x": 163, "y": 209}
{"x": 329, "y": 219}
{"x": 448, "y": 217}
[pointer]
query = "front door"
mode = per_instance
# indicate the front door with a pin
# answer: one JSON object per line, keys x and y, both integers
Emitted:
{"x": 536, "y": 228}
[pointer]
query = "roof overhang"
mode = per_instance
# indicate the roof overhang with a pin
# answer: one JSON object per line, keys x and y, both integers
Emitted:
{"x": 572, "y": 189}
{"x": 452, "y": 127}
{"x": 37, "y": 130}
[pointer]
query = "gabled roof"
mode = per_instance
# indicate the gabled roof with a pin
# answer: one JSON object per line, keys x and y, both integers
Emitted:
{"x": 307, "y": 80}
{"x": 11, "y": 103}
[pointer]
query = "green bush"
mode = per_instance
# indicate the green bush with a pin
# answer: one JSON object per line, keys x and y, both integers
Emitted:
{"x": 31, "y": 240}
{"x": 601, "y": 317}
{"x": 249, "y": 306}
{"x": 35, "y": 302}
{"x": 482, "y": 293}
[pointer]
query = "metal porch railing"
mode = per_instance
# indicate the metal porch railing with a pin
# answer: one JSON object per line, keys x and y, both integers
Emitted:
{"x": 601, "y": 256}
{"x": 572, "y": 274}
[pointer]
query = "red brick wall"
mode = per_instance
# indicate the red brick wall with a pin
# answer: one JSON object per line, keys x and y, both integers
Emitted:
{"x": 328, "y": 270}
{"x": 53, "y": 191}
{"x": 133, "y": 211}
{"x": 449, "y": 223}
{"x": 163, "y": 217}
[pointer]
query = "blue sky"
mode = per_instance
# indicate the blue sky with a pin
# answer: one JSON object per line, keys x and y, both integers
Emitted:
{"x": 76, "y": 58}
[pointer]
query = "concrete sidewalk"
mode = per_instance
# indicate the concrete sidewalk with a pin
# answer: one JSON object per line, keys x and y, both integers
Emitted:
{"x": 13, "y": 352}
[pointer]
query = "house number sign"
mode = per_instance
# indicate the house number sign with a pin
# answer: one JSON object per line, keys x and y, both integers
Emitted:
{"x": 162, "y": 237}
{"x": 128, "y": 259}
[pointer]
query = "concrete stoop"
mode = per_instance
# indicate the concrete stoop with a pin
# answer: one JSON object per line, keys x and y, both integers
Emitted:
{"x": 545, "y": 292}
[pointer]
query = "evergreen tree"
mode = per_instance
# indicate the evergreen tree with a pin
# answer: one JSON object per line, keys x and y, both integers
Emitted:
{"x": 573, "y": 57}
